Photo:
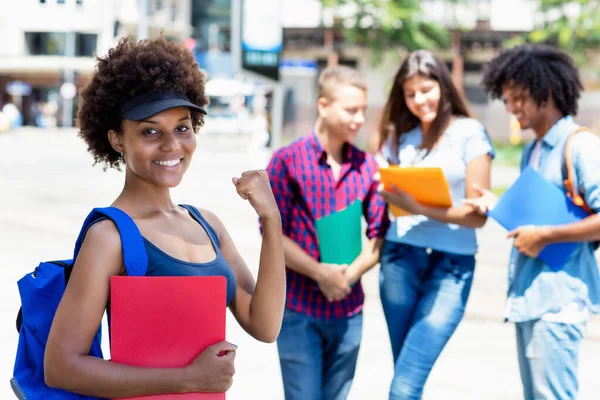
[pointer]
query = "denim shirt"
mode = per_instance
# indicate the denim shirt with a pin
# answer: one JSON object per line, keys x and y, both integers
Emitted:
{"x": 533, "y": 288}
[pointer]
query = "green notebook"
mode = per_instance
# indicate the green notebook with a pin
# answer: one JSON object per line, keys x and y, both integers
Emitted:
{"x": 339, "y": 233}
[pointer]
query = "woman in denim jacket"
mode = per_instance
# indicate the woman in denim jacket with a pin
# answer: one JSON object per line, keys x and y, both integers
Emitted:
{"x": 428, "y": 258}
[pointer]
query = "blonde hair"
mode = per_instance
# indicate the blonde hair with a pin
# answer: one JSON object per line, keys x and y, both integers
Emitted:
{"x": 331, "y": 78}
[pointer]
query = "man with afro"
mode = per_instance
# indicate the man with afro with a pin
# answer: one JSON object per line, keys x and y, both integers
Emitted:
{"x": 540, "y": 85}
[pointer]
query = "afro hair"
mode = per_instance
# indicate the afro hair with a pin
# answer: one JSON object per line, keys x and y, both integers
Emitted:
{"x": 541, "y": 70}
{"x": 129, "y": 69}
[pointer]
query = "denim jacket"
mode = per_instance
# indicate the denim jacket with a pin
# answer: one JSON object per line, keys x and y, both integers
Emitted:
{"x": 533, "y": 288}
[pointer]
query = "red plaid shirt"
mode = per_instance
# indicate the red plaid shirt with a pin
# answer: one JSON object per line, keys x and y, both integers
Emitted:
{"x": 305, "y": 190}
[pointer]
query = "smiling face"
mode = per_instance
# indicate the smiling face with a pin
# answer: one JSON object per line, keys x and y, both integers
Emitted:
{"x": 519, "y": 103}
{"x": 343, "y": 112}
{"x": 422, "y": 97}
{"x": 159, "y": 149}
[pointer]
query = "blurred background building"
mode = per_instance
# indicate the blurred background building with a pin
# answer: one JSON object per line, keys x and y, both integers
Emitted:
{"x": 47, "y": 47}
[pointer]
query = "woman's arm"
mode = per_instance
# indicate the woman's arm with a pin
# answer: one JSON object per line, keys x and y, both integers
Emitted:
{"x": 67, "y": 364}
{"x": 478, "y": 173}
{"x": 258, "y": 307}
{"x": 376, "y": 216}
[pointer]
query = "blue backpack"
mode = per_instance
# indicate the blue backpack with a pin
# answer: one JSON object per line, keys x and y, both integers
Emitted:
{"x": 41, "y": 292}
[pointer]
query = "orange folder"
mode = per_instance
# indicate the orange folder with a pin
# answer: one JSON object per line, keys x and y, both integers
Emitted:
{"x": 166, "y": 322}
{"x": 427, "y": 185}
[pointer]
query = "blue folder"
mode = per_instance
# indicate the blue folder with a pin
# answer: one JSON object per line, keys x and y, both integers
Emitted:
{"x": 533, "y": 200}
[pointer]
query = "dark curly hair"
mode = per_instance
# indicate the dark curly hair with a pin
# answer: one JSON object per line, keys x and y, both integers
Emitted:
{"x": 541, "y": 70}
{"x": 129, "y": 69}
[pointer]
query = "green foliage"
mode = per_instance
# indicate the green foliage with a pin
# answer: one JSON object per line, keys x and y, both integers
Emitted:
{"x": 508, "y": 154}
{"x": 499, "y": 190}
{"x": 572, "y": 25}
{"x": 382, "y": 24}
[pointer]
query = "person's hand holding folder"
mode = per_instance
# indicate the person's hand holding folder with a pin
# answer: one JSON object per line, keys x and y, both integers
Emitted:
{"x": 175, "y": 323}
{"x": 527, "y": 210}
{"x": 399, "y": 198}
{"x": 213, "y": 370}
{"x": 407, "y": 189}
{"x": 529, "y": 239}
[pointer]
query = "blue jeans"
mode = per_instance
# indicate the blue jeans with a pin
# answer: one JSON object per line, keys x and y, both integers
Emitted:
{"x": 318, "y": 357}
{"x": 424, "y": 293}
{"x": 548, "y": 359}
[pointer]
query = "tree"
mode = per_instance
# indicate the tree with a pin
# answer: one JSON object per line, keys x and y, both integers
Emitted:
{"x": 572, "y": 25}
{"x": 382, "y": 24}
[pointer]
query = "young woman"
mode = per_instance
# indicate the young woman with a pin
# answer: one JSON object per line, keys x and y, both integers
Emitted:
{"x": 141, "y": 111}
{"x": 428, "y": 258}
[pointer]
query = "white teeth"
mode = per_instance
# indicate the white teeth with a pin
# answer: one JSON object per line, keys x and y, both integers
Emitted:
{"x": 170, "y": 163}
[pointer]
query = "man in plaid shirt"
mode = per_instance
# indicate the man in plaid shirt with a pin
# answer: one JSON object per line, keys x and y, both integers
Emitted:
{"x": 324, "y": 186}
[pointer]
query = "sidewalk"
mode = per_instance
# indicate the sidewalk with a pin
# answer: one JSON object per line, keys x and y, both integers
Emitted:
{"x": 504, "y": 176}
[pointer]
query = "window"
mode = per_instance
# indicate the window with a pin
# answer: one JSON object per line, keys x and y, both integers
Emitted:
{"x": 60, "y": 1}
{"x": 42, "y": 1}
{"x": 46, "y": 43}
{"x": 55, "y": 44}
{"x": 86, "y": 44}
{"x": 79, "y": 2}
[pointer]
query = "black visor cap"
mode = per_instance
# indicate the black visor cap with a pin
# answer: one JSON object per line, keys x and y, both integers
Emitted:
{"x": 145, "y": 105}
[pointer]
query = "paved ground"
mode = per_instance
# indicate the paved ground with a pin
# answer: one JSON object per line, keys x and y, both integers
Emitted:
{"x": 48, "y": 185}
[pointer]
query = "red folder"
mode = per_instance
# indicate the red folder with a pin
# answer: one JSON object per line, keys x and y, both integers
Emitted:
{"x": 166, "y": 322}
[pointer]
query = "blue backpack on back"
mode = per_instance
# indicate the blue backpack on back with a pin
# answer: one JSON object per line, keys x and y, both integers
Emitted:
{"x": 41, "y": 292}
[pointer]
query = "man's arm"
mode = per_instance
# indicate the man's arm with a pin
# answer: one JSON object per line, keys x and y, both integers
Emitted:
{"x": 330, "y": 278}
{"x": 376, "y": 215}
{"x": 300, "y": 261}
{"x": 585, "y": 147}
{"x": 530, "y": 240}
{"x": 586, "y": 230}
{"x": 366, "y": 260}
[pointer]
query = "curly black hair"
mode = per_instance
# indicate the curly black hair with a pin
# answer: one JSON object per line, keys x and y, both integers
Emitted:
{"x": 541, "y": 70}
{"x": 129, "y": 69}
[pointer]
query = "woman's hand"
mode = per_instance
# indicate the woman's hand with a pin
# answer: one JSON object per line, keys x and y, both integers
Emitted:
{"x": 485, "y": 202}
{"x": 212, "y": 371}
{"x": 255, "y": 187}
{"x": 399, "y": 198}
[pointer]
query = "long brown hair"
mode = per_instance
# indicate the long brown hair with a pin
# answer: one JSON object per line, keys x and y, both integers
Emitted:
{"x": 397, "y": 118}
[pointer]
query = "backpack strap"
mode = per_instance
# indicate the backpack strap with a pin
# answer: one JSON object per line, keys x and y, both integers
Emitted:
{"x": 135, "y": 257}
{"x": 568, "y": 174}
